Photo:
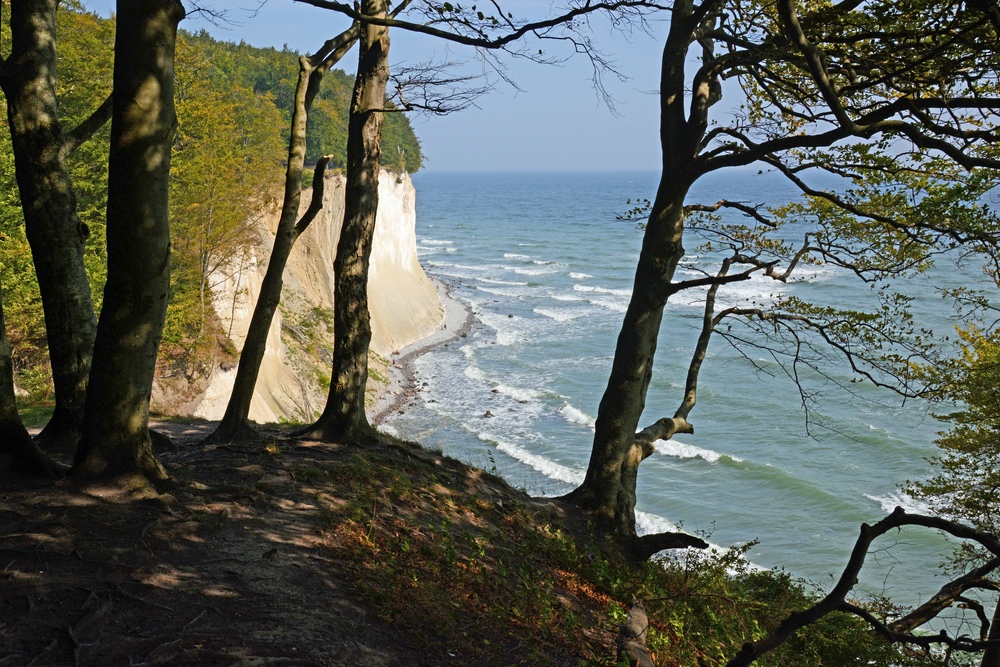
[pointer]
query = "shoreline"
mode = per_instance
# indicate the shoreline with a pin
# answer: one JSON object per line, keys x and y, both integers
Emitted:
{"x": 401, "y": 385}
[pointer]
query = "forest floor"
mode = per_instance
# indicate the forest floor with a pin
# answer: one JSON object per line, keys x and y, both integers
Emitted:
{"x": 292, "y": 552}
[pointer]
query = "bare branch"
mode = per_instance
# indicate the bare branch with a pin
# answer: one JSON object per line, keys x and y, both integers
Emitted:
{"x": 316, "y": 203}
{"x": 701, "y": 347}
{"x": 836, "y": 599}
{"x": 648, "y": 545}
{"x": 751, "y": 211}
{"x": 429, "y": 87}
{"x": 483, "y": 41}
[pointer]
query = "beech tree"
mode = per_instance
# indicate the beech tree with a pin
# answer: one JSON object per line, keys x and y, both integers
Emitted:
{"x": 343, "y": 418}
{"x": 828, "y": 80}
{"x": 115, "y": 440}
{"x": 55, "y": 233}
{"x": 234, "y": 425}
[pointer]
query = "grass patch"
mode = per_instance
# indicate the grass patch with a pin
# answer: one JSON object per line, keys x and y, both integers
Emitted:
{"x": 36, "y": 416}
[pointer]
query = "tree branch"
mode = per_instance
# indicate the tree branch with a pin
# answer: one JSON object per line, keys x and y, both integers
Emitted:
{"x": 484, "y": 42}
{"x": 836, "y": 600}
{"x": 649, "y": 545}
{"x": 316, "y": 203}
{"x": 86, "y": 129}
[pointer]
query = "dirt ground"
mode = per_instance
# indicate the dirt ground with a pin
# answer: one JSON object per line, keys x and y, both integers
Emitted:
{"x": 231, "y": 568}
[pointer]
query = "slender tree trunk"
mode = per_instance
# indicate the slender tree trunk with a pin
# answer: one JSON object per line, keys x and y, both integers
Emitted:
{"x": 53, "y": 227}
{"x": 344, "y": 418}
{"x": 17, "y": 452}
{"x": 234, "y": 425}
{"x": 115, "y": 440}
{"x": 991, "y": 656}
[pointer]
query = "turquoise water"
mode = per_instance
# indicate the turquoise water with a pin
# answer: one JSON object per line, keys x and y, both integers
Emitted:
{"x": 547, "y": 272}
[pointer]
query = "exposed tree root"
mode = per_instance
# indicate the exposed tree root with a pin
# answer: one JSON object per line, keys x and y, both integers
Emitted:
{"x": 232, "y": 431}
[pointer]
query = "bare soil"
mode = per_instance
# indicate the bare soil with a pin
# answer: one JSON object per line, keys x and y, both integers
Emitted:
{"x": 260, "y": 555}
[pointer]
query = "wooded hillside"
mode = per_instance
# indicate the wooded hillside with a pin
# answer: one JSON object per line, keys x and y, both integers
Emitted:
{"x": 234, "y": 108}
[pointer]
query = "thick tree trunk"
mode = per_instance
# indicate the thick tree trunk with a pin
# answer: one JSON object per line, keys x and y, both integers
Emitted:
{"x": 115, "y": 440}
{"x": 344, "y": 418}
{"x": 53, "y": 228}
{"x": 17, "y": 452}
{"x": 608, "y": 491}
{"x": 234, "y": 425}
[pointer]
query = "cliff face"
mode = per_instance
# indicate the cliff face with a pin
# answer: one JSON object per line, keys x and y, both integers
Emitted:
{"x": 294, "y": 376}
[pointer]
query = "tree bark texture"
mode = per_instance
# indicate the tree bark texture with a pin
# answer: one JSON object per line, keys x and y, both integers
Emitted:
{"x": 610, "y": 485}
{"x": 17, "y": 451}
{"x": 234, "y": 425}
{"x": 53, "y": 227}
{"x": 116, "y": 439}
{"x": 608, "y": 491}
{"x": 991, "y": 656}
{"x": 344, "y": 418}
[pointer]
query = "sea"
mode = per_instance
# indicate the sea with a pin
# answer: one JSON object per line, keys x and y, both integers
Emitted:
{"x": 546, "y": 268}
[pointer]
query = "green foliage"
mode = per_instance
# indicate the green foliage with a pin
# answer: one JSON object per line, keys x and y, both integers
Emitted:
{"x": 969, "y": 463}
{"x": 268, "y": 71}
{"x": 226, "y": 161}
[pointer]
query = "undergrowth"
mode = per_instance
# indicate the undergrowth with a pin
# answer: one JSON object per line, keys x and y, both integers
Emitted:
{"x": 479, "y": 572}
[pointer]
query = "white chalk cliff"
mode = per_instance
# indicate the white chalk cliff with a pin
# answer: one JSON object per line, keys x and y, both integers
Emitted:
{"x": 403, "y": 302}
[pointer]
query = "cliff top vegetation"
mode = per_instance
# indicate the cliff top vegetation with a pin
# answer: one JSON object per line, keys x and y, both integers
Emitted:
{"x": 312, "y": 554}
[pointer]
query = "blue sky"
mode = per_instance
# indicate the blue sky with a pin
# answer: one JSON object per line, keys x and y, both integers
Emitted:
{"x": 556, "y": 121}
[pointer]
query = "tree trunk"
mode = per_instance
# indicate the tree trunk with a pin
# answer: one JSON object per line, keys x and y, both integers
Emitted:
{"x": 234, "y": 425}
{"x": 115, "y": 440}
{"x": 17, "y": 452}
{"x": 344, "y": 418}
{"x": 608, "y": 491}
{"x": 53, "y": 228}
{"x": 991, "y": 656}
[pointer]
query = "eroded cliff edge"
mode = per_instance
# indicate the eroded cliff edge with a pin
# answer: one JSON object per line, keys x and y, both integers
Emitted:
{"x": 294, "y": 376}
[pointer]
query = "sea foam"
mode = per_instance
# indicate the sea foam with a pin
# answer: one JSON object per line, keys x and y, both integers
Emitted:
{"x": 891, "y": 501}
{"x": 550, "y": 469}
{"x": 560, "y": 315}
{"x": 682, "y": 451}
{"x": 576, "y": 416}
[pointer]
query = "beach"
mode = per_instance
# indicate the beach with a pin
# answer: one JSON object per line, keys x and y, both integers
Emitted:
{"x": 401, "y": 386}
